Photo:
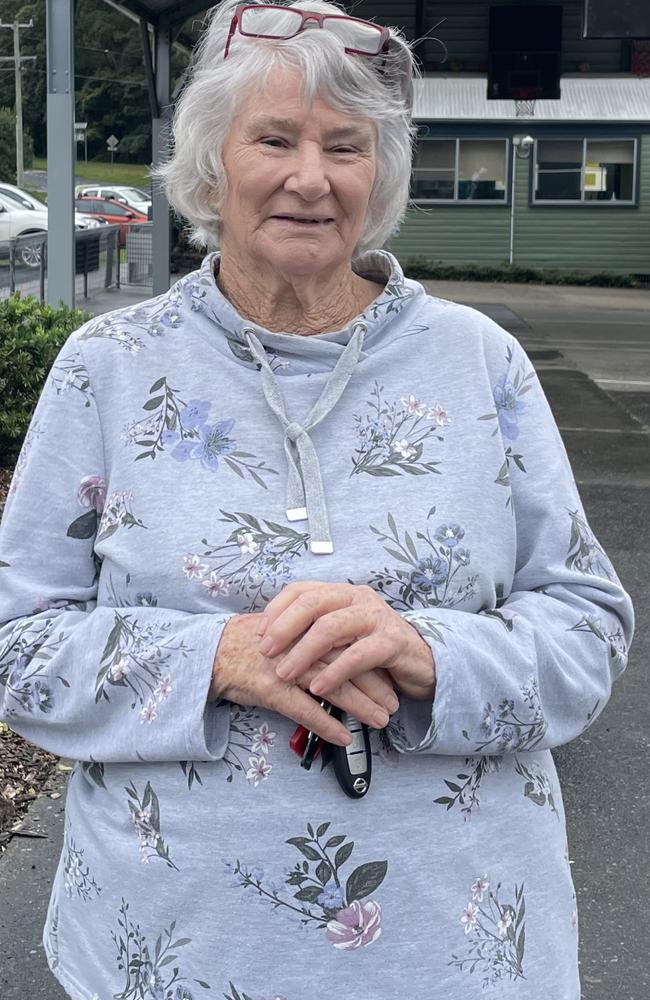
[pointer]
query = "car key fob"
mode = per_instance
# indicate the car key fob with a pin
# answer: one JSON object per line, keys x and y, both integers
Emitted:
{"x": 352, "y": 764}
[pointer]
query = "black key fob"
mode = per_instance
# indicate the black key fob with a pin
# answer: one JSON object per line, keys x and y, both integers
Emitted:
{"x": 352, "y": 764}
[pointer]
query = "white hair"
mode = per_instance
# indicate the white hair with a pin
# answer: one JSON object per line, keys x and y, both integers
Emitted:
{"x": 194, "y": 178}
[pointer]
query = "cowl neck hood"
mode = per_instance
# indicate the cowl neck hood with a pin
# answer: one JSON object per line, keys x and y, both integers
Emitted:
{"x": 284, "y": 354}
{"x": 295, "y": 354}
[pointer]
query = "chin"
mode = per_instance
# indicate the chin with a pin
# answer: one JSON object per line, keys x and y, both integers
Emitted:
{"x": 303, "y": 260}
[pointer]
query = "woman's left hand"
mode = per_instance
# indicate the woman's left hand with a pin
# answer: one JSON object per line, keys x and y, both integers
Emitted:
{"x": 332, "y": 615}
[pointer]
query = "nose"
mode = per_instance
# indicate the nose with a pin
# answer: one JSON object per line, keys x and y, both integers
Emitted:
{"x": 307, "y": 175}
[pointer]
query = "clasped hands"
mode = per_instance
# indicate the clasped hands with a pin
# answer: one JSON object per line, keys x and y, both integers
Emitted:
{"x": 341, "y": 642}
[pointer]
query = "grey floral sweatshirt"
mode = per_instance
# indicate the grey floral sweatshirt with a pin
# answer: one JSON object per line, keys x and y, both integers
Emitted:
{"x": 182, "y": 466}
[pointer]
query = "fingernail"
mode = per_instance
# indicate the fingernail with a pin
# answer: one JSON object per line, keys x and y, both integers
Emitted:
{"x": 380, "y": 719}
{"x": 317, "y": 687}
{"x": 346, "y": 739}
{"x": 266, "y": 645}
{"x": 392, "y": 704}
{"x": 283, "y": 670}
{"x": 262, "y": 626}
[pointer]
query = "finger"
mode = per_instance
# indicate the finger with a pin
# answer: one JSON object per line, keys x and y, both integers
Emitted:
{"x": 329, "y": 631}
{"x": 366, "y": 654}
{"x": 378, "y": 689}
{"x": 295, "y": 615}
{"x": 296, "y": 704}
{"x": 352, "y": 700}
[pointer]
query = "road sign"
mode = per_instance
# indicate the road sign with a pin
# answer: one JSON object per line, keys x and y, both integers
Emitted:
{"x": 112, "y": 142}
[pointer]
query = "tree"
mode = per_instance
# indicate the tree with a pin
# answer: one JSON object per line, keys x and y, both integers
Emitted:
{"x": 111, "y": 87}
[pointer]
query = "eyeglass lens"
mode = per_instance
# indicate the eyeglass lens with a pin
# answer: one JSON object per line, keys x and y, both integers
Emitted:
{"x": 273, "y": 23}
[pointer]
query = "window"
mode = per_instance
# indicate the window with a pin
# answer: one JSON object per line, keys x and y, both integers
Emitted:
{"x": 460, "y": 170}
{"x": 111, "y": 208}
{"x": 585, "y": 170}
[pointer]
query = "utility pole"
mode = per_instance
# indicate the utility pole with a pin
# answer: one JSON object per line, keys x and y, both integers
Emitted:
{"x": 16, "y": 28}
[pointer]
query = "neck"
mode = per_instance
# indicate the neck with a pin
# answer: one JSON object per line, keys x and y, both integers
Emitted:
{"x": 307, "y": 304}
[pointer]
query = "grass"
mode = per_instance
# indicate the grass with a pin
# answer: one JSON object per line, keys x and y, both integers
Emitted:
{"x": 136, "y": 174}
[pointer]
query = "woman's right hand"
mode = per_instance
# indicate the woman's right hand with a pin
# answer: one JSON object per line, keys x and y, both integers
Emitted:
{"x": 245, "y": 676}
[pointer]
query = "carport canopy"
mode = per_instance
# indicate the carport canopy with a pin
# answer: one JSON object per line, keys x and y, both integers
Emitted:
{"x": 161, "y": 23}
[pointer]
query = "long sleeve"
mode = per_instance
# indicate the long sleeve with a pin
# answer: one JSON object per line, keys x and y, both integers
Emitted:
{"x": 88, "y": 681}
{"x": 536, "y": 669}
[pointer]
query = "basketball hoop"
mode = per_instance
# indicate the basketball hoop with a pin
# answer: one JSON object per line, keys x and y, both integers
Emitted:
{"x": 525, "y": 107}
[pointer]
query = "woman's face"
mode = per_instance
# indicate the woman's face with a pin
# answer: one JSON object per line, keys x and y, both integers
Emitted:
{"x": 299, "y": 180}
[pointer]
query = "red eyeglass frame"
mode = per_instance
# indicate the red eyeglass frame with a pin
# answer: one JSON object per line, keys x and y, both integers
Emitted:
{"x": 306, "y": 17}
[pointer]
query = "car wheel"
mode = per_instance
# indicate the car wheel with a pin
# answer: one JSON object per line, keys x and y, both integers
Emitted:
{"x": 30, "y": 254}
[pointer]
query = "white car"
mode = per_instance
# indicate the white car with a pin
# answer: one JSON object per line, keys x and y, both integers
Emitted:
{"x": 131, "y": 196}
{"x": 26, "y": 200}
{"x": 21, "y": 214}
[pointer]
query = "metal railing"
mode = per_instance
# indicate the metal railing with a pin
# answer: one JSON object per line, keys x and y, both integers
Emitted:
{"x": 23, "y": 263}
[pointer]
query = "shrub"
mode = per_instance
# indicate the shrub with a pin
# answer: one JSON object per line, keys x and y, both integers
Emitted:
{"x": 31, "y": 335}
{"x": 419, "y": 267}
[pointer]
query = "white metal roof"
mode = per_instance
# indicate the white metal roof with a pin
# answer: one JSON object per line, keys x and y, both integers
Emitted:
{"x": 595, "y": 98}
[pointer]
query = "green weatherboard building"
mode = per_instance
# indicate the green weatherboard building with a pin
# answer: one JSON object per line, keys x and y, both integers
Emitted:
{"x": 568, "y": 187}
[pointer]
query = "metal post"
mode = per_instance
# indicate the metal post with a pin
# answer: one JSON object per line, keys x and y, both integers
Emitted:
{"x": 20, "y": 168}
{"x": 161, "y": 250}
{"x": 12, "y": 267}
{"x": 41, "y": 276}
{"x": 117, "y": 258}
{"x": 161, "y": 247}
{"x": 60, "y": 151}
{"x": 512, "y": 202}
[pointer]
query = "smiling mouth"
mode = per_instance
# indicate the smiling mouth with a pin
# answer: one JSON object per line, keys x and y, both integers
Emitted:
{"x": 302, "y": 220}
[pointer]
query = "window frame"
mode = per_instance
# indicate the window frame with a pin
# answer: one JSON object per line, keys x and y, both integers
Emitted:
{"x": 583, "y": 202}
{"x": 494, "y": 202}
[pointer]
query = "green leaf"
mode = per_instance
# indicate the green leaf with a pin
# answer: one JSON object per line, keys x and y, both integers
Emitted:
{"x": 323, "y": 872}
{"x": 410, "y": 546}
{"x": 343, "y": 854}
{"x": 392, "y": 526}
{"x": 158, "y": 384}
{"x": 334, "y": 841}
{"x": 84, "y": 527}
{"x": 309, "y": 894}
{"x": 445, "y": 800}
{"x": 382, "y": 470}
{"x": 397, "y": 555}
{"x": 304, "y": 847}
{"x": 310, "y": 830}
{"x": 168, "y": 959}
{"x": 153, "y": 404}
{"x": 322, "y": 830}
{"x": 235, "y": 468}
{"x": 452, "y": 786}
{"x": 180, "y": 942}
{"x": 365, "y": 879}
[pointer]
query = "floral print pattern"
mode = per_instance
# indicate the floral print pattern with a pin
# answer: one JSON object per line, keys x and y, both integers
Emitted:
{"x": 467, "y": 787}
{"x": 145, "y": 975}
{"x": 496, "y": 934}
{"x": 392, "y": 438}
{"x": 77, "y": 880}
{"x": 186, "y": 431}
{"x": 236, "y": 995}
{"x": 434, "y": 574}
{"x": 131, "y": 328}
{"x": 613, "y": 638}
{"x": 24, "y": 664}
{"x": 69, "y": 373}
{"x": 92, "y": 496}
{"x": 512, "y": 727}
{"x": 254, "y": 561}
{"x": 585, "y": 554}
{"x": 134, "y": 657}
{"x": 145, "y": 816}
{"x": 117, "y": 514}
{"x": 509, "y": 407}
{"x": 316, "y": 892}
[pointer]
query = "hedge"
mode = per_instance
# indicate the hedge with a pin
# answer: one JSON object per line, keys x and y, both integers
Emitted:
{"x": 31, "y": 335}
{"x": 419, "y": 267}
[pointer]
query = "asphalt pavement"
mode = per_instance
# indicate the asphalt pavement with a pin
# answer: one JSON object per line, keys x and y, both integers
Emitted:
{"x": 591, "y": 348}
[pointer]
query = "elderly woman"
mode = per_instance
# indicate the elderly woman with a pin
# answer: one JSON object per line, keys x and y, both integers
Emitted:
{"x": 297, "y": 481}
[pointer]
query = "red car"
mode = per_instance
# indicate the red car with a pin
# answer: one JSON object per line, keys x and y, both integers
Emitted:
{"x": 113, "y": 211}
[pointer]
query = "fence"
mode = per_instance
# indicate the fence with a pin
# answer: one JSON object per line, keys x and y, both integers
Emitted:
{"x": 23, "y": 263}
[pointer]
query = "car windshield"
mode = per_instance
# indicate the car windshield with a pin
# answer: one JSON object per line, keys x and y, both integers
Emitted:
{"x": 20, "y": 199}
{"x": 136, "y": 194}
